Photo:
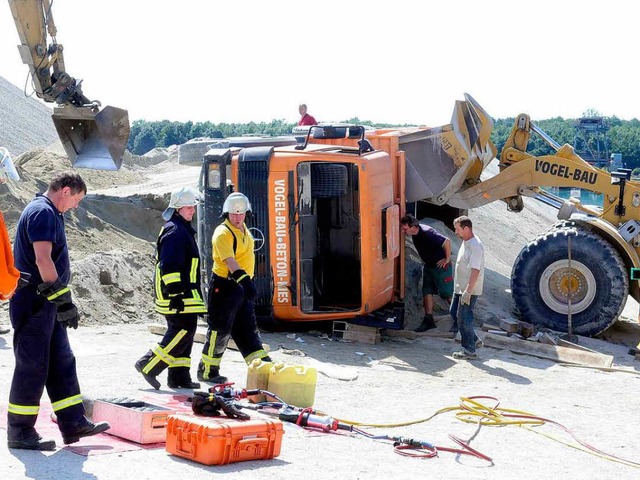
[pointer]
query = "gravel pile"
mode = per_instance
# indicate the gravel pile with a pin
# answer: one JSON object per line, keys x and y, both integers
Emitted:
{"x": 25, "y": 123}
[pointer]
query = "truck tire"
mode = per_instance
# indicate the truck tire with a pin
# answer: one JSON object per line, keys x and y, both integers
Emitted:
{"x": 328, "y": 180}
{"x": 540, "y": 281}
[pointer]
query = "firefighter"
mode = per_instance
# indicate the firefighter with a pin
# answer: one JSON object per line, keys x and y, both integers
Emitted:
{"x": 40, "y": 314}
{"x": 177, "y": 293}
{"x": 231, "y": 292}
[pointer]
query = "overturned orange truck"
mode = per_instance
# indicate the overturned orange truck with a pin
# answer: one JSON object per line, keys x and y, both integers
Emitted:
{"x": 326, "y": 212}
{"x": 326, "y": 215}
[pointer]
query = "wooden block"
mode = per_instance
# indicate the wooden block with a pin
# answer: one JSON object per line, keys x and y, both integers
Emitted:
{"x": 565, "y": 343}
{"x": 551, "y": 352}
{"x": 548, "y": 339}
{"x": 352, "y": 327}
{"x": 370, "y": 338}
{"x": 525, "y": 329}
{"x": 498, "y": 332}
{"x": 488, "y": 326}
{"x": 536, "y": 337}
{"x": 509, "y": 325}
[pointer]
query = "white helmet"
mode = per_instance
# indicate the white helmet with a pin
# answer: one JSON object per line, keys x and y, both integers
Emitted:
{"x": 236, "y": 203}
{"x": 185, "y": 197}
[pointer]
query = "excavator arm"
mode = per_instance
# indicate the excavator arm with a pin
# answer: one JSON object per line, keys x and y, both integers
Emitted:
{"x": 93, "y": 137}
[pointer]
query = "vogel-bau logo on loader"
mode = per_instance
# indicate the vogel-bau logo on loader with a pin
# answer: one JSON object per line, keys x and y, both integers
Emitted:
{"x": 584, "y": 176}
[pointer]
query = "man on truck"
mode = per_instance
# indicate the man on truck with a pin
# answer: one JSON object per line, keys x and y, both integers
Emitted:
{"x": 305, "y": 118}
{"x": 437, "y": 273}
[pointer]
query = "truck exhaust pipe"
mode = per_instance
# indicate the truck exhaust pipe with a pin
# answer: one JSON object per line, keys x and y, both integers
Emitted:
{"x": 93, "y": 138}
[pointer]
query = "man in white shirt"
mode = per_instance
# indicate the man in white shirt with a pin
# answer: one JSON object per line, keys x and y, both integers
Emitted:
{"x": 468, "y": 283}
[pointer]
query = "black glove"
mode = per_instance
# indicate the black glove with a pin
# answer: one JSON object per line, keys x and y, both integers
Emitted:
{"x": 177, "y": 303}
{"x": 232, "y": 411}
{"x": 60, "y": 295}
{"x": 245, "y": 281}
{"x": 209, "y": 405}
{"x": 56, "y": 292}
{"x": 68, "y": 315}
{"x": 23, "y": 281}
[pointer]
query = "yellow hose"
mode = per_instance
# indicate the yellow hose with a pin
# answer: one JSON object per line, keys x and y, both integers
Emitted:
{"x": 472, "y": 411}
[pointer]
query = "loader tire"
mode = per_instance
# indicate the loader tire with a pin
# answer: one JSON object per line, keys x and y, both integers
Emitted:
{"x": 540, "y": 281}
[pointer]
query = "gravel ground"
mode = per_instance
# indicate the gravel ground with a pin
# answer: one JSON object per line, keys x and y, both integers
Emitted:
{"x": 397, "y": 381}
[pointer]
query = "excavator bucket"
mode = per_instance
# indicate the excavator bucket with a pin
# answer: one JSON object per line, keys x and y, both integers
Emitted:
{"x": 441, "y": 160}
{"x": 93, "y": 138}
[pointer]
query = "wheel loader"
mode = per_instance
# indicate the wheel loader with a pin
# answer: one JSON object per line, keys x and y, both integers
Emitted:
{"x": 92, "y": 136}
{"x": 326, "y": 215}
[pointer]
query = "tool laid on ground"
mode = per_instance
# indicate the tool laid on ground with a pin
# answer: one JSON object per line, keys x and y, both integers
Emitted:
{"x": 227, "y": 398}
{"x": 309, "y": 418}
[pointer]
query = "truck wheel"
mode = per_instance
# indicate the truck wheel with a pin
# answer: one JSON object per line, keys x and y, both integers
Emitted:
{"x": 328, "y": 180}
{"x": 541, "y": 281}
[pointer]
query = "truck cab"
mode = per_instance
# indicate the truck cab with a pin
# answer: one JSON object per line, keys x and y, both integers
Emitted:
{"x": 326, "y": 223}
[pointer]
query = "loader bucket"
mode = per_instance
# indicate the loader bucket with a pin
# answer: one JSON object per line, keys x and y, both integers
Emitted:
{"x": 441, "y": 160}
{"x": 91, "y": 138}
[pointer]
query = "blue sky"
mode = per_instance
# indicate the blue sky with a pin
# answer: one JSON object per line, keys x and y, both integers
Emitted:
{"x": 399, "y": 62}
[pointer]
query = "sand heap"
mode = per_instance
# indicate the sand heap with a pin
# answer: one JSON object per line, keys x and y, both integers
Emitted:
{"x": 110, "y": 239}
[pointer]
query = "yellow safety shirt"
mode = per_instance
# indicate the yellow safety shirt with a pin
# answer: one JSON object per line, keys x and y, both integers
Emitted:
{"x": 222, "y": 244}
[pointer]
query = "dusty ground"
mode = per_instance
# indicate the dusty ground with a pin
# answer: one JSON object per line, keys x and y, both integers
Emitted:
{"x": 111, "y": 238}
{"x": 397, "y": 381}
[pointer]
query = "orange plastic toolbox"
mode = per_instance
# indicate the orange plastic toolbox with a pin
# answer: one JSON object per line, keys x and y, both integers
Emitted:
{"x": 213, "y": 441}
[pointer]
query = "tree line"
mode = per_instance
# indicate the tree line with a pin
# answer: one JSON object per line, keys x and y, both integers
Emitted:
{"x": 623, "y": 136}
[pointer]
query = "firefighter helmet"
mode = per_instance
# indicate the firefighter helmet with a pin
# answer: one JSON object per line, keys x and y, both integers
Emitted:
{"x": 236, "y": 203}
{"x": 185, "y": 197}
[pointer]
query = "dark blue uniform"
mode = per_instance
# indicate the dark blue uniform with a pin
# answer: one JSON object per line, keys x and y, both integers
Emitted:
{"x": 177, "y": 274}
{"x": 40, "y": 343}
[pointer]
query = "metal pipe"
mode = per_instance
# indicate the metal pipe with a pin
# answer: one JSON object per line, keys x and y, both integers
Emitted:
{"x": 549, "y": 199}
{"x": 544, "y": 136}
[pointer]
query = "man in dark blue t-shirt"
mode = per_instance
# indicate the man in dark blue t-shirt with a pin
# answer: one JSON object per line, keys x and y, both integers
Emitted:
{"x": 437, "y": 273}
{"x": 40, "y": 314}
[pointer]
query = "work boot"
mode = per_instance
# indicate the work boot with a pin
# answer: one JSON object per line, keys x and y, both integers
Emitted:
{"x": 151, "y": 379}
{"x": 31, "y": 440}
{"x": 179, "y": 377}
{"x": 214, "y": 377}
{"x": 86, "y": 429}
{"x": 427, "y": 324}
{"x": 184, "y": 384}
